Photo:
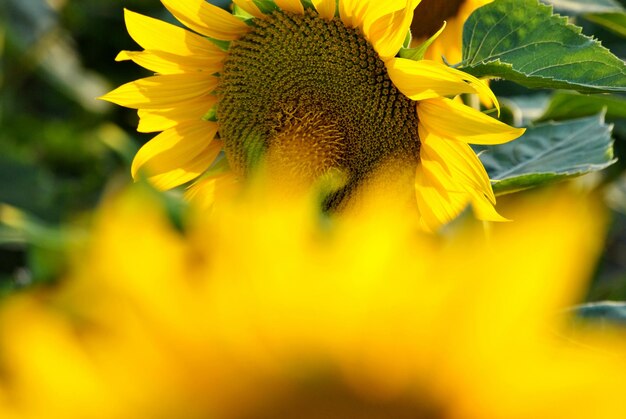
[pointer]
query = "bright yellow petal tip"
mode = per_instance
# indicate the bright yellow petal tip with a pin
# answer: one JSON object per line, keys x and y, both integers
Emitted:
{"x": 450, "y": 119}
{"x": 425, "y": 79}
{"x": 207, "y": 19}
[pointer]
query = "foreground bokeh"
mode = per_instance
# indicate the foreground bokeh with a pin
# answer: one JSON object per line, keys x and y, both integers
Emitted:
{"x": 263, "y": 308}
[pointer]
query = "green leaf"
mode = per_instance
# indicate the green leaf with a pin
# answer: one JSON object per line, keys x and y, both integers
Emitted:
{"x": 211, "y": 114}
{"x": 549, "y": 153}
{"x": 615, "y": 22}
{"x": 608, "y": 13}
{"x": 579, "y": 7}
{"x": 615, "y": 197}
{"x": 568, "y": 105}
{"x": 522, "y": 41}
{"x": 609, "y": 311}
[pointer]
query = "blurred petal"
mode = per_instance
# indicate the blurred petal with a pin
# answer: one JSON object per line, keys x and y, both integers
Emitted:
{"x": 207, "y": 191}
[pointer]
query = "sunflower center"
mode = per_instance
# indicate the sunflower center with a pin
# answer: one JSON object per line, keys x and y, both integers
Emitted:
{"x": 430, "y": 14}
{"x": 312, "y": 95}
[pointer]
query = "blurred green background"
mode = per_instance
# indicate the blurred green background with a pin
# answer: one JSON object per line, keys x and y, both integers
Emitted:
{"x": 60, "y": 148}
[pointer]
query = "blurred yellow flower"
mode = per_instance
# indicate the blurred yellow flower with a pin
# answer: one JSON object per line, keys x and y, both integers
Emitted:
{"x": 265, "y": 310}
{"x": 311, "y": 87}
{"x": 428, "y": 19}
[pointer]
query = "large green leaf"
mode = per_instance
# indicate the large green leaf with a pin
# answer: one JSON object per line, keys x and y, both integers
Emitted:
{"x": 607, "y": 13}
{"x": 615, "y": 22}
{"x": 578, "y": 7}
{"x": 568, "y": 105}
{"x": 607, "y": 311}
{"x": 522, "y": 41}
{"x": 548, "y": 153}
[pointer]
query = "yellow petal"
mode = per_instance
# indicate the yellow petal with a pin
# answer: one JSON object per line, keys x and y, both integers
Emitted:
{"x": 250, "y": 7}
{"x": 352, "y": 12}
{"x": 448, "y": 178}
{"x": 425, "y": 79}
{"x": 205, "y": 192}
{"x": 187, "y": 171}
{"x": 483, "y": 209}
{"x": 449, "y": 119}
{"x": 165, "y": 91}
{"x": 178, "y": 154}
{"x": 325, "y": 8}
{"x": 207, "y": 19}
{"x": 436, "y": 205}
{"x": 462, "y": 164}
{"x": 154, "y": 34}
{"x": 152, "y": 120}
{"x": 166, "y": 63}
{"x": 374, "y": 11}
{"x": 293, "y": 6}
{"x": 389, "y": 25}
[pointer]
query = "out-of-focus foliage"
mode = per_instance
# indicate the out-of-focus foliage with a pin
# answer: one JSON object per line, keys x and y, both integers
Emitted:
{"x": 59, "y": 146}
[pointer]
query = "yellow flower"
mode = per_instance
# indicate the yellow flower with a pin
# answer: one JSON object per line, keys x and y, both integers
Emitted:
{"x": 430, "y": 16}
{"x": 258, "y": 311}
{"x": 312, "y": 90}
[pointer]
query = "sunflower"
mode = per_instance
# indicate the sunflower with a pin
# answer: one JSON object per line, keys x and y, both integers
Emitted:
{"x": 429, "y": 17}
{"x": 341, "y": 322}
{"x": 312, "y": 88}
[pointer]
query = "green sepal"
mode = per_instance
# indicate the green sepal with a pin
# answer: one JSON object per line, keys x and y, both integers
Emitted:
{"x": 223, "y": 45}
{"x": 308, "y": 4}
{"x": 407, "y": 40}
{"x": 240, "y": 13}
{"x": 211, "y": 115}
{"x": 266, "y": 6}
{"x": 417, "y": 53}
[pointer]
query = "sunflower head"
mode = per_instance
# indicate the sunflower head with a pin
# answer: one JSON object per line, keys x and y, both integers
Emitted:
{"x": 307, "y": 89}
{"x": 312, "y": 95}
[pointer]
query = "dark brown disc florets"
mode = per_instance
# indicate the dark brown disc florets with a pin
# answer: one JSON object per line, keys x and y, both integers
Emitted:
{"x": 303, "y": 82}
